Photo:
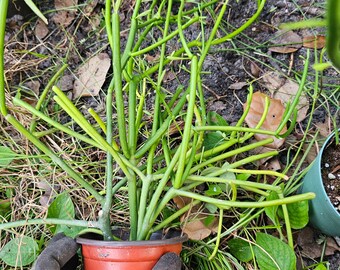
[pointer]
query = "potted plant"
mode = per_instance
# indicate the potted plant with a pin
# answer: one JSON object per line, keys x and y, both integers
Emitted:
{"x": 324, "y": 215}
{"x": 155, "y": 166}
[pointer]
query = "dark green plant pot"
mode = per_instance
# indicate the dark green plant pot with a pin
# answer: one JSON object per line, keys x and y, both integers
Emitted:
{"x": 322, "y": 213}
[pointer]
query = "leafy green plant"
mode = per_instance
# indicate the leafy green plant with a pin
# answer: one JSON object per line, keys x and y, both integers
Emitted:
{"x": 157, "y": 168}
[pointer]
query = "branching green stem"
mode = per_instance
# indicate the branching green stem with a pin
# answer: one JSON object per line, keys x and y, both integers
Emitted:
{"x": 3, "y": 15}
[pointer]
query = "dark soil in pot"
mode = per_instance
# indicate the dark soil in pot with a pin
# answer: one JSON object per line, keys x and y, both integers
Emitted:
{"x": 331, "y": 173}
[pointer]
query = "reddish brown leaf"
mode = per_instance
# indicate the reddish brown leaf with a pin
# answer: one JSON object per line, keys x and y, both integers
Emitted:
{"x": 272, "y": 120}
{"x": 312, "y": 42}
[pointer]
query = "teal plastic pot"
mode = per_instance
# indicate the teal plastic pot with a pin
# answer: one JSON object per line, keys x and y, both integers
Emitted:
{"x": 322, "y": 213}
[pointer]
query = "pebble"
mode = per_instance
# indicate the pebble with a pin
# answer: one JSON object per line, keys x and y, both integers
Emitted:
{"x": 331, "y": 176}
{"x": 326, "y": 165}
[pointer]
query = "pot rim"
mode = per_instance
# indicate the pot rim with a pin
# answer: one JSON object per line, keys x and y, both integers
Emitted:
{"x": 94, "y": 242}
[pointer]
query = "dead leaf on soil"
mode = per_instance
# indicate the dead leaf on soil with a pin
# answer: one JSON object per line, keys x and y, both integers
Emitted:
{"x": 237, "y": 85}
{"x": 194, "y": 223}
{"x": 254, "y": 69}
{"x": 312, "y": 153}
{"x": 289, "y": 42}
{"x": 287, "y": 93}
{"x": 65, "y": 83}
{"x": 273, "y": 118}
{"x": 66, "y": 13}
{"x": 324, "y": 129}
{"x": 310, "y": 248}
{"x": 61, "y": 4}
{"x": 181, "y": 201}
{"x": 92, "y": 76}
{"x": 41, "y": 29}
{"x": 312, "y": 42}
{"x": 46, "y": 198}
{"x": 169, "y": 76}
{"x": 63, "y": 18}
{"x": 273, "y": 165}
{"x": 152, "y": 58}
{"x": 34, "y": 86}
{"x": 286, "y": 90}
{"x": 194, "y": 226}
{"x": 90, "y": 5}
{"x": 273, "y": 81}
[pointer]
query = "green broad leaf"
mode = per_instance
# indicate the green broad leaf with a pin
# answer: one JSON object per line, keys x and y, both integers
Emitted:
{"x": 298, "y": 214}
{"x": 5, "y": 207}
{"x": 6, "y": 156}
{"x": 212, "y": 139}
{"x": 271, "y": 211}
{"x": 211, "y": 208}
{"x": 20, "y": 251}
{"x": 208, "y": 220}
{"x": 240, "y": 249}
{"x": 213, "y": 190}
{"x": 214, "y": 119}
{"x": 243, "y": 176}
{"x": 62, "y": 208}
{"x": 320, "y": 266}
{"x": 273, "y": 254}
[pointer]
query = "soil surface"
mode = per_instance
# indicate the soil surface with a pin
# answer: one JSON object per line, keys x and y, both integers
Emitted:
{"x": 331, "y": 173}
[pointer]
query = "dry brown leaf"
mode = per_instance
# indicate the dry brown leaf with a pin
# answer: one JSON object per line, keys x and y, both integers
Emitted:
{"x": 289, "y": 42}
{"x": 169, "y": 76}
{"x": 273, "y": 165}
{"x": 310, "y": 248}
{"x": 152, "y": 58}
{"x": 90, "y": 5}
{"x": 92, "y": 76}
{"x": 272, "y": 121}
{"x": 192, "y": 223}
{"x": 312, "y": 153}
{"x": 45, "y": 199}
{"x": 254, "y": 70}
{"x": 287, "y": 92}
{"x": 34, "y": 86}
{"x": 63, "y": 18}
{"x": 324, "y": 129}
{"x": 273, "y": 81}
{"x": 41, "y": 29}
{"x": 61, "y": 4}
{"x": 181, "y": 201}
{"x": 237, "y": 86}
{"x": 196, "y": 229}
{"x": 312, "y": 42}
{"x": 67, "y": 12}
{"x": 65, "y": 83}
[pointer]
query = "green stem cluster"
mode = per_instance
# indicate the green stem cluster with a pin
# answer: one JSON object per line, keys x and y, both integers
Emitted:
{"x": 154, "y": 179}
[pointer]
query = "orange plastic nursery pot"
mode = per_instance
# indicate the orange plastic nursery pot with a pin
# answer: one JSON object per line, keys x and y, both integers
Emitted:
{"x": 126, "y": 255}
